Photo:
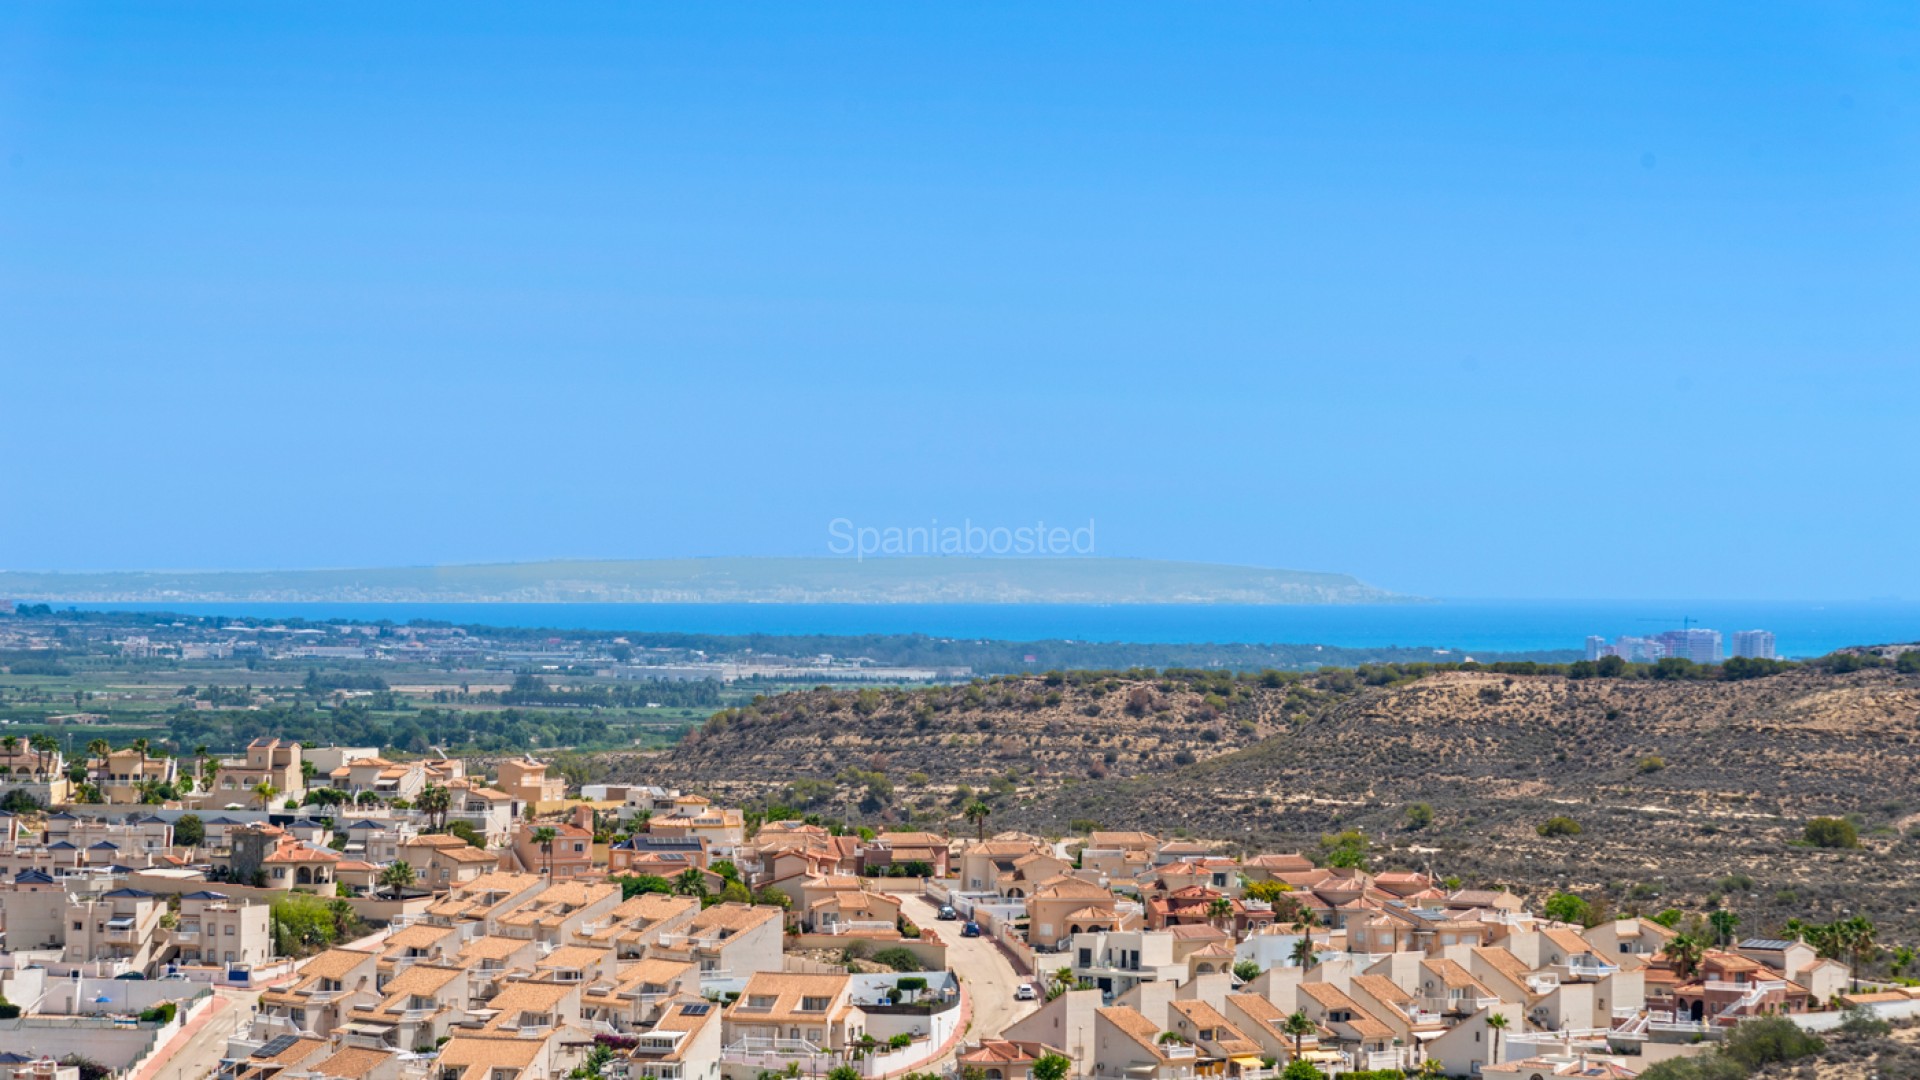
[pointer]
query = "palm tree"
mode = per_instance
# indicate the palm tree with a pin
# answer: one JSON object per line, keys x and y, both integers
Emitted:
{"x": 396, "y": 877}
{"x": 435, "y": 801}
{"x": 690, "y": 882}
{"x": 1298, "y": 1026}
{"x": 1303, "y": 955}
{"x": 1219, "y": 908}
{"x": 1684, "y": 952}
{"x": 1497, "y": 1023}
{"x": 977, "y": 812}
{"x": 545, "y": 836}
{"x": 265, "y": 791}
{"x": 46, "y": 746}
{"x": 10, "y": 744}
{"x": 99, "y": 748}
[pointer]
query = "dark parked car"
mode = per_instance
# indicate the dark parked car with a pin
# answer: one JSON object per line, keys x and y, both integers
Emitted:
{"x": 972, "y": 929}
{"x": 947, "y": 913}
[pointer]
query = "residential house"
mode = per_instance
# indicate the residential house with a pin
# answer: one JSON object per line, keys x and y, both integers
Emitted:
{"x": 1116, "y": 961}
{"x": 213, "y": 928}
{"x": 1824, "y": 978}
{"x": 782, "y": 1019}
{"x": 635, "y": 997}
{"x": 420, "y": 1008}
{"x": 441, "y": 861}
{"x": 1366, "y": 1040}
{"x": 379, "y": 777}
{"x": 1128, "y": 1045}
{"x": 1064, "y": 907}
{"x": 119, "y": 926}
{"x": 635, "y": 926}
{"x": 484, "y": 900}
{"x": 729, "y": 941}
{"x": 723, "y": 828}
{"x": 568, "y": 854}
{"x": 984, "y": 864}
{"x": 663, "y": 856}
{"x": 685, "y": 1043}
{"x": 557, "y": 913}
{"x": 274, "y": 762}
{"x": 324, "y": 989}
{"x": 1002, "y": 1059}
{"x": 924, "y": 851}
{"x": 1221, "y": 1049}
{"x": 853, "y": 911}
{"x": 527, "y": 781}
{"x": 125, "y": 776}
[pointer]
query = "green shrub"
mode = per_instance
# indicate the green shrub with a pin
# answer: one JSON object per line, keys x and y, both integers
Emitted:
{"x": 1831, "y": 832}
{"x": 898, "y": 959}
{"x": 1558, "y": 825}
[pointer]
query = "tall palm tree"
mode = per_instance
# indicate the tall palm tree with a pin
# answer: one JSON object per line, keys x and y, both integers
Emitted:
{"x": 435, "y": 801}
{"x": 10, "y": 744}
{"x": 1497, "y": 1023}
{"x": 45, "y": 746}
{"x": 1724, "y": 923}
{"x": 1303, "y": 956}
{"x": 977, "y": 812}
{"x": 545, "y": 835}
{"x": 265, "y": 791}
{"x": 99, "y": 748}
{"x": 1298, "y": 1026}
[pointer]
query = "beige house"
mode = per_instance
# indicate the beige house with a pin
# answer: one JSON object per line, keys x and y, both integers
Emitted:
{"x": 213, "y": 928}
{"x": 122, "y": 773}
{"x": 797, "y": 1019}
{"x": 1127, "y": 1045}
{"x": 557, "y": 913}
{"x": 635, "y": 926}
{"x": 635, "y": 997}
{"x": 1063, "y": 907}
{"x": 120, "y": 926}
{"x": 378, "y": 776}
{"x": 275, "y": 762}
{"x": 420, "y": 1008}
{"x": 441, "y": 861}
{"x": 526, "y": 780}
{"x": 729, "y": 941}
{"x": 324, "y": 990}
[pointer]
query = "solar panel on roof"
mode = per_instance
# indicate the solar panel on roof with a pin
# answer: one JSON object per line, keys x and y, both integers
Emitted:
{"x": 276, "y": 1045}
{"x": 695, "y": 1010}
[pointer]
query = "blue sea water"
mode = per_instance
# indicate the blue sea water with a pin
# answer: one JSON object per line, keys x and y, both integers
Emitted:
{"x": 1802, "y": 629}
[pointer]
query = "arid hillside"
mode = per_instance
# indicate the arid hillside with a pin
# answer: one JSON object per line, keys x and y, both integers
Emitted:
{"x": 1686, "y": 792}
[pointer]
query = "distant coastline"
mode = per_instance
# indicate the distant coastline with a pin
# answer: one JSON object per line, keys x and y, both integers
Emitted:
{"x": 925, "y": 580}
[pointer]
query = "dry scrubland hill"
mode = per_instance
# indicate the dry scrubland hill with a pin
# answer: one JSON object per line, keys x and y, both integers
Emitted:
{"x": 1740, "y": 767}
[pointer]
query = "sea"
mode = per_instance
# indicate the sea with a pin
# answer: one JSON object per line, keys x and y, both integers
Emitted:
{"x": 1801, "y": 629}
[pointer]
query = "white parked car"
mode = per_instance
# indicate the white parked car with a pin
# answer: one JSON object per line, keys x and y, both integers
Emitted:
{"x": 1023, "y": 992}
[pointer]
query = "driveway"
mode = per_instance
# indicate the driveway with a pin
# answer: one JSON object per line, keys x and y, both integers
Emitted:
{"x": 987, "y": 974}
{"x": 195, "y": 1051}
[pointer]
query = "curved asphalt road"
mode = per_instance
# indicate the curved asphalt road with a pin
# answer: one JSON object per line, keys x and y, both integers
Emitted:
{"x": 983, "y": 969}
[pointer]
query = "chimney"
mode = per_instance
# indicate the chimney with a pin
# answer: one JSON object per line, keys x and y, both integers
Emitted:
{"x": 583, "y": 816}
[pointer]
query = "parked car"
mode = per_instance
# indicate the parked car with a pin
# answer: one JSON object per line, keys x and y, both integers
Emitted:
{"x": 946, "y": 912}
{"x": 1023, "y": 992}
{"x": 972, "y": 929}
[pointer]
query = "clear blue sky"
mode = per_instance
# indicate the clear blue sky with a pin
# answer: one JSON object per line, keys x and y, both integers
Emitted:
{"x": 1542, "y": 300}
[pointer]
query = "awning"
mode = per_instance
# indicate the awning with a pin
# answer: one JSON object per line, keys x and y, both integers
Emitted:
{"x": 1248, "y": 1062}
{"x": 357, "y": 1028}
{"x": 1423, "y": 1036}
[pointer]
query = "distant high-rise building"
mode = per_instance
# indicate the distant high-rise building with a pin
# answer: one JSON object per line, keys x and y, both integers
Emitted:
{"x": 1699, "y": 646}
{"x": 1596, "y": 647}
{"x": 1757, "y": 644}
{"x": 1634, "y": 650}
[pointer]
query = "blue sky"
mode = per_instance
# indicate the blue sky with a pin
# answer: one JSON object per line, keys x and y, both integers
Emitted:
{"x": 1531, "y": 300}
